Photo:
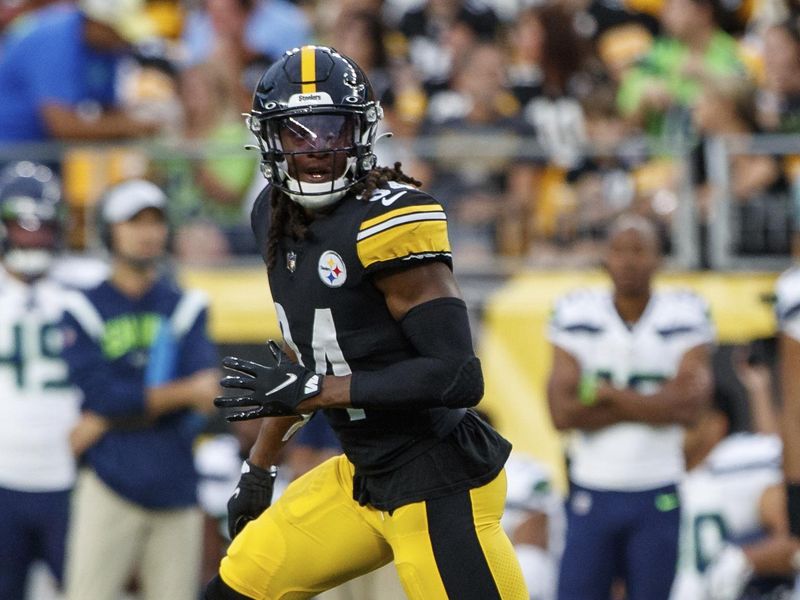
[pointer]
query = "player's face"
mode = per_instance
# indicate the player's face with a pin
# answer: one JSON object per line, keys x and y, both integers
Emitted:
{"x": 316, "y": 146}
{"x": 631, "y": 260}
{"x": 41, "y": 236}
{"x": 143, "y": 238}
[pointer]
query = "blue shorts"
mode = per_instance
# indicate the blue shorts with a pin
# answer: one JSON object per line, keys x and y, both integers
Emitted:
{"x": 627, "y": 535}
{"x": 33, "y": 526}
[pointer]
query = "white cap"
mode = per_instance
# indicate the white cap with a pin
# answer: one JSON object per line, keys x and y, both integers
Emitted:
{"x": 127, "y": 17}
{"x": 129, "y": 198}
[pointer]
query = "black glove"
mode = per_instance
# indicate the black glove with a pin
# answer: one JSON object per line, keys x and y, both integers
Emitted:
{"x": 252, "y": 496}
{"x": 277, "y": 387}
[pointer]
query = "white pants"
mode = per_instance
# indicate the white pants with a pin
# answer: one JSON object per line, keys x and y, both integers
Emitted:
{"x": 110, "y": 539}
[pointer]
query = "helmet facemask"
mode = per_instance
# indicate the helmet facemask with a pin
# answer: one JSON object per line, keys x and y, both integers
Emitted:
{"x": 30, "y": 218}
{"x": 30, "y": 235}
{"x": 314, "y": 157}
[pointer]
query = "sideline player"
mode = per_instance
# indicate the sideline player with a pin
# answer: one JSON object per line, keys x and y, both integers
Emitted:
{"x": 360, "y": 271}
{"x": 734, "y": 537}
{"x": 631, "y": 367}
{"x": 38, "y": 406}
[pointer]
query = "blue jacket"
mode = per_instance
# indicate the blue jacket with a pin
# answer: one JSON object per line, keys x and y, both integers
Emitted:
{"x": 48, "y": 61}
{"x": 116, "y": 347}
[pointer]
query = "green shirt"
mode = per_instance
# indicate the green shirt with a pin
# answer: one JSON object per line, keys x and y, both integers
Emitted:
{"x": 665, "y": 63}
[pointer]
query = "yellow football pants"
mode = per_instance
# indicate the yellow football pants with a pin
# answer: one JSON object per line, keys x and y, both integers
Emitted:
{"x": 316, "y": 536}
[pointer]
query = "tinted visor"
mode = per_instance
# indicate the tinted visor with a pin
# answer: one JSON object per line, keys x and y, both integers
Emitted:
{"x": 316, "y": 133}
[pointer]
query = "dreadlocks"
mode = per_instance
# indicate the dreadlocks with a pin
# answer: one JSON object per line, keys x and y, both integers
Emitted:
{"x": 290, "y": 219}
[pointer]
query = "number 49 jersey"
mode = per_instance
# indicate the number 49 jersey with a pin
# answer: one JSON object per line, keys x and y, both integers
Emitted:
{"x": 38, "y": 407}
{"x": 629, "y": 456}
{"x": 336, "y": 320}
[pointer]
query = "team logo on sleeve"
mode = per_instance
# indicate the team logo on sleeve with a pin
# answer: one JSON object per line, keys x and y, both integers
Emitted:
{"x": 331, "y": 269}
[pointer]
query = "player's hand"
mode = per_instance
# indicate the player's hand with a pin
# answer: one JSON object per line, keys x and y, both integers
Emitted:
{"x": 252, "y": 496}
{"x": 275, "y": 388}
{"x": 727, "y": 576}
{"x": 89, "y": 428}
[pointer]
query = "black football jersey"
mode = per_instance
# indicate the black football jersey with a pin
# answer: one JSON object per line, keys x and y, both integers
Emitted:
{"x": 336, "y": 320}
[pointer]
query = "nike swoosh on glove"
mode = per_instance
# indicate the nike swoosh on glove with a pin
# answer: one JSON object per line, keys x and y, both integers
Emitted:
{"x": 274, "y": 388}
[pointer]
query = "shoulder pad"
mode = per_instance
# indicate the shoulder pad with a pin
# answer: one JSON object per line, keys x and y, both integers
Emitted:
{"x": 402, "y": 224}
{"x": 581, "y": 305}
{"x": 684, "y": 305}
{"x": 744, "y": 451}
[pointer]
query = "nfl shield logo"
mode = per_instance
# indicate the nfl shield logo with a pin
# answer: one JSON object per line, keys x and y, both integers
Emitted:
{"x": 291, "y": 261}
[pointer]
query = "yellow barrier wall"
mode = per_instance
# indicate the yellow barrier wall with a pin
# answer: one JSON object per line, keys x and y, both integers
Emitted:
{"x": 241, "y": 309}
{"x": 516, "y": 356}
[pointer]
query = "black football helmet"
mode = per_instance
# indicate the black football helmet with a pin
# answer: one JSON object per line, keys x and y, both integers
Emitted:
{"x": 314, "y": 102}
{"x": 30, "y": 218}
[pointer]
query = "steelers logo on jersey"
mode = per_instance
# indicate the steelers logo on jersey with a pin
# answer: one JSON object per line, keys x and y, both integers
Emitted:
{"x": 331, "y": 269}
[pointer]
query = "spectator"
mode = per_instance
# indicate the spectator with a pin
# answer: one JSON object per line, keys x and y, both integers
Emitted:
{"x": 142, "y": 337}
{"x": 38, "y": 406}
{"x": 438, "y": 32}
{"x": 661, "y": 88}
{"x": 207, "y": 192}
{"x": 362, "y": 36}
{"x": 758, "y": 190}
{"x": 601, "y": 183}
{"x": 631, "y": 367}
{"x": 477, "y": 168}
{"x": 58, "y": 76}
{"x": 779, "y": 100}
{"x": 545, "y": 42}
{"x": 269, "y": 27}
{"x": 11, "y": 11}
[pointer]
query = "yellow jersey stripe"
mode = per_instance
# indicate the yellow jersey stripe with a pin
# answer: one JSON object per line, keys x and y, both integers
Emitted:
{"x": 308, "y": 69}
{"x": 398, "y": 212}
{"x": 416, "y": 238}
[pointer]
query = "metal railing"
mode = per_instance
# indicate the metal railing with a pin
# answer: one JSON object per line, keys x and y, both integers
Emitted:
{"x": 87, "y": 169}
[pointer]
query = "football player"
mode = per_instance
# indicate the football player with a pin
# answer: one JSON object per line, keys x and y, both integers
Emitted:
{"x": 37, "y": 405}
{"x": 734, "y": 536}
{"x": 360, "y": 271}
{"x": 631, "y": 368}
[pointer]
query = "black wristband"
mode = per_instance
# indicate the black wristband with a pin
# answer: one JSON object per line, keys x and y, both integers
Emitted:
{"x": 793, "y": 507}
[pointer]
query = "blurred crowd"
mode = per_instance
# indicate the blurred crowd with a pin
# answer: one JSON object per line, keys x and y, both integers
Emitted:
{"x": 537, "y": 121}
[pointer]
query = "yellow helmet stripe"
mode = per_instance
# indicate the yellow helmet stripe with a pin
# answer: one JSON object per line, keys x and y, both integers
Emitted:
{"x": 308, "y": 69}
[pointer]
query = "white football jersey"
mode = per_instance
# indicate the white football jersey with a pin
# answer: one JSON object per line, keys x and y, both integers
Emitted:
{"x": 530, "y": 489}
{"x": 38, "y": 407}
{"x": 720, "y": 504}
{"x": 787, "y": 305}
{"x": 629, "y": 456}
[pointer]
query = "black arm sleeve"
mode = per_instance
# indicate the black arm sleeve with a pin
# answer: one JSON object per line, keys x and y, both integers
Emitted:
{"x": 446, "y": 372}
